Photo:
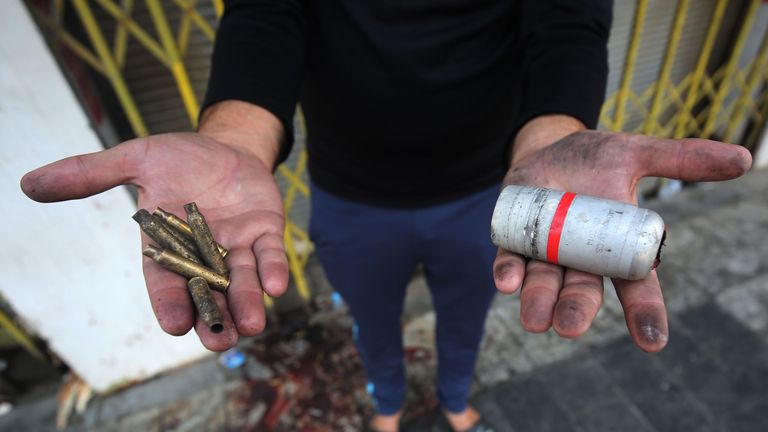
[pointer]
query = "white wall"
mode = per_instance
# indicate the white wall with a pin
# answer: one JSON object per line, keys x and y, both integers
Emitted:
{"x": 71, "y": 270}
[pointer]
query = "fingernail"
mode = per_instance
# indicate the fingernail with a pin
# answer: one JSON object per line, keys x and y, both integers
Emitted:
{"x": 651, "y": 330}
{"x": 503, "y": 270}
{"x": 174, "y": 319}
{"x": 652, "y": 334}
{"x": 505, "y": 281}
{"x": 535, "y": 316}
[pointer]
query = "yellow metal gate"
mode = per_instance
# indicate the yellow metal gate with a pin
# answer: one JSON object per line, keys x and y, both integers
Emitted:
{"x": 728, "y": 102}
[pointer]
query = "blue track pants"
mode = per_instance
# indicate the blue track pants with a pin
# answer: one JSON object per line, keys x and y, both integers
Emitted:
{"x": 369, "y": 254}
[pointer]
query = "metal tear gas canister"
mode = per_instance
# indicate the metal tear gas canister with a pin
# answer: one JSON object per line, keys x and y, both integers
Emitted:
{"x": 595, "y": 235}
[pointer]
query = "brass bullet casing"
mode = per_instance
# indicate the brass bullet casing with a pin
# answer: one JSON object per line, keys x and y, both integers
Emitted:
{"x": 206, "y": 245}
{"x": 187, "y": 241}
{"x": 206, "y": 305}
{"x": 187, "y": 268}
{"x": 181, "y": 227}
{"x": 153, "y": 226}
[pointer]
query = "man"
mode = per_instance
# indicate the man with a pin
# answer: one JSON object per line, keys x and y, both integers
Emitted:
{"x": 416, "y": 113}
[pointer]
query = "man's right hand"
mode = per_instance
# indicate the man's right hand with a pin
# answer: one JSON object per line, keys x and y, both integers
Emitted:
{"x": 234, "y": 189}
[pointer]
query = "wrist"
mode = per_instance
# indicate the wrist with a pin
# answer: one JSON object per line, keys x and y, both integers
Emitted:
{"x": 245, "y": 127}
{"x": 541, "y": 132}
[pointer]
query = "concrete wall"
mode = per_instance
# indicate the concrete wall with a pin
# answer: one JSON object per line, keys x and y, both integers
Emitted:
{"x": 72, "y": 270}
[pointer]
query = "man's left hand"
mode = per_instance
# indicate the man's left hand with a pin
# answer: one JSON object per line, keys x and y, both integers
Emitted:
{"x": 608, "y": 165}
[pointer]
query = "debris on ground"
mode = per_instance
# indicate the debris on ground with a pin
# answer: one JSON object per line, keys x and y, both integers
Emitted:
{"x": 73, "y": 397}
{"x": 305, "y": 375}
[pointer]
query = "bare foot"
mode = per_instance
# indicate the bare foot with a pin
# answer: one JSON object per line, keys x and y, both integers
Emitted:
{"x": 386, "y": 423}
{"x": 463, "y": 420}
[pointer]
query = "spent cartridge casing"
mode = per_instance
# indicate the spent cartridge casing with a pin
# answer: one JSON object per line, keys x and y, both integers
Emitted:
{"x": 154, "y": 227}
{"x": 181, "y": 227}
{"x": 187, "y": 268}
{"x": 187, "y": 241}
{"x": 206, "y": 245}
{"x": 207, "y": 309}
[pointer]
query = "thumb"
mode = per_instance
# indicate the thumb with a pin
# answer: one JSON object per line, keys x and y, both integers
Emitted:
{"x": 83, "y": 175}
{"x": 691, "y": 159}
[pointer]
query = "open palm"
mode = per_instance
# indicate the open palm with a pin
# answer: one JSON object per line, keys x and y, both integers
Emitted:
{"x": 608, "y": 165}
{"x": 236, "y": 193}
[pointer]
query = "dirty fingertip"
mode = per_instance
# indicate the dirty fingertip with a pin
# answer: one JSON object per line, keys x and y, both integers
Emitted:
{"x": 535, "y": 316}
{"x": 174, "y": 319}
{"x": 30, "y": 184}
{"x": 745, "y": 159}
{"x": 570, "y": 320}
{"x": 219, "y": 342}
{"x": 223, "y": 338}
{"x": 251, "y": 325}
{"x": 508, "y": 276}
{"x": 650, "y": 331}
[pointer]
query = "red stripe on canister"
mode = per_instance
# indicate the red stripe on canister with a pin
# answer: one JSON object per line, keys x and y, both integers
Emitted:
{"x": 556, "y": 229}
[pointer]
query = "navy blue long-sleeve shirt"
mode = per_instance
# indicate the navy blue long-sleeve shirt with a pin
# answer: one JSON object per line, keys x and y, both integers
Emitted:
{"x": 412, "y": 103}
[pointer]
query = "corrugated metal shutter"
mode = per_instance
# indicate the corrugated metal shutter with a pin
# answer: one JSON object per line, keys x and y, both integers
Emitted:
{"x": 658, "y": 22}
{"x": 157, "y": 97}
{"x": 150, "y": 82}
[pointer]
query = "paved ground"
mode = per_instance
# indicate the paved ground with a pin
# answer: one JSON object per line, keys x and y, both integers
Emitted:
{"x": 713, "y": 375}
